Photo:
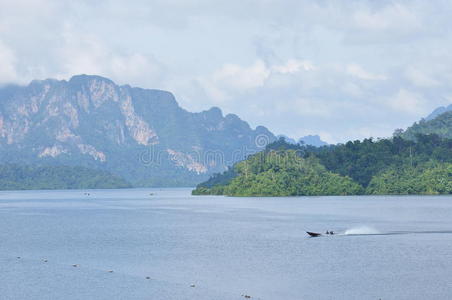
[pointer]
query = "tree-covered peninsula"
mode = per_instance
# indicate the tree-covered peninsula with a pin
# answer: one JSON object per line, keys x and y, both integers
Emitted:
{"x": 284, "y": 173}
{"x": 385, "y": 166}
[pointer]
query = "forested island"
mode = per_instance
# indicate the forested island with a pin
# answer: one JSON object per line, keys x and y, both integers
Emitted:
{"x": 23, "y": 177}
{"x": 397, "y": 165}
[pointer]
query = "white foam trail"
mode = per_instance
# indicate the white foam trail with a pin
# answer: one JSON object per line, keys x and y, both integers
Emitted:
{"x": 361, "y": 230}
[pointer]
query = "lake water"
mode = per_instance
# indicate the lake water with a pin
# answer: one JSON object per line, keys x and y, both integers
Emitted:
{"x": 385, "y": 247}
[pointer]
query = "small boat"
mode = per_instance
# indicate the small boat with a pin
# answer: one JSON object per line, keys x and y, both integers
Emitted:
{"x": 313, "y": 234}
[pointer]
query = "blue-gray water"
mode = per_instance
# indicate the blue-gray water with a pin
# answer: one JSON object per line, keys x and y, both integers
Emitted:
{"x": 386, "y": 247}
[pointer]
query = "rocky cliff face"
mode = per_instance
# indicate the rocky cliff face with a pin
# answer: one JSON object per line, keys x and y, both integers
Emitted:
{"x": 142, "y": 135}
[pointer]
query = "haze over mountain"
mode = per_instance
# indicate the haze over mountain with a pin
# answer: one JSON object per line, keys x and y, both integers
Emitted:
{"x": 140, "y": 134}
{"x": 440, "y": 110}
{"x": 440, "y": 125}
{"x": 312, "y": 140}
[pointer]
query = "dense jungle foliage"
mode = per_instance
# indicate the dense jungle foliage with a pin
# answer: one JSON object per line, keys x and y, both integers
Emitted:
{"x": 384, "y": 166}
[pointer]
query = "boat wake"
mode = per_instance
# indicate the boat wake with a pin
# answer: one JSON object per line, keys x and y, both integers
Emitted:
{"x": 363, "y": 230}
{"x": 366, "y": 230}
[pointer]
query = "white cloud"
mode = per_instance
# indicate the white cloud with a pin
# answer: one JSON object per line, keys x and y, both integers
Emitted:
{"x": 297, "y": 76}
{"x": 293, "y": 66}
{"x": 8, "y": 73}
{"x": 81, "y": 55}
{"x": 86, "y": 54}
{"x": 407, "y": 102}
{"x": 359, "y": 72}
{"x": 353, "y": 89}
{"x": 138, "y": 69}
{"x": 391, "y": 17}
{"x": 242, "y": 78}
{"x": 233, "y": 78}
{"x": 312, "y": 107}
{"x": 420, "y": 78}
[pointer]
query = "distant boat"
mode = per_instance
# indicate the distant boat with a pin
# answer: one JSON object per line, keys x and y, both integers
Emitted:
{"x": 313, "y": 234}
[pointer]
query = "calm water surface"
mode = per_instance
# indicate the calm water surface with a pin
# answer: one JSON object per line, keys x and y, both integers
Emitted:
{"x": 386, "y": 247}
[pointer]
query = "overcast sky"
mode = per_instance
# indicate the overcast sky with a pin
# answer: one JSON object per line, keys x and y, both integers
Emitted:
{"x": 341, "y": 69}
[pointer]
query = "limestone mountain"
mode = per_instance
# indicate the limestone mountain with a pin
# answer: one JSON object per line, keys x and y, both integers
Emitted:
{"x": 140, "y": 134}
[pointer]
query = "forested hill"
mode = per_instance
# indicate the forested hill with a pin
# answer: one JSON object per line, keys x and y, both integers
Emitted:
{"x": 16, "y": 177}
{"x": 441, "y": 125}
{"x": 386, "y": 166}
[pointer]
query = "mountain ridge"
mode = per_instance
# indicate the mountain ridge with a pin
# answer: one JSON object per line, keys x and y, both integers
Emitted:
{"x": 438, "y": 111}
{"x": 140, "y": 134}
{"x": 441, "y": 125}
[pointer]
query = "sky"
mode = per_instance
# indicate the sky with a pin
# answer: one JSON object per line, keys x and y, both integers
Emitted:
{"x": 344, "y": 70}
